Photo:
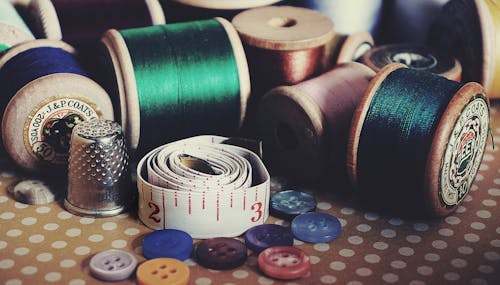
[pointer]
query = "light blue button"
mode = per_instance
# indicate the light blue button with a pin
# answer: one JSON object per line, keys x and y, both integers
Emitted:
{"x": 315, "y": 227}
{"x": 290, "y": 203}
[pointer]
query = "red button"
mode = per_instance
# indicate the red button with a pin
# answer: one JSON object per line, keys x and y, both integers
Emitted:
{"x": 284, "y": 262}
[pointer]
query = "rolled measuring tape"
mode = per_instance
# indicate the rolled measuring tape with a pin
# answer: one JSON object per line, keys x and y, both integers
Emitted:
{"x": 417, "y": 141}
{"x": 82, "y": 22}
{"x": 45, "y": 94}
{"x": 13, "y": 29}
{"x": 184, "y": 79}
{"x": 304, "y": 128}
{"x": 469, "y": 30}
{"x": 415, "y": 57}
{"x": 203, "y": 187}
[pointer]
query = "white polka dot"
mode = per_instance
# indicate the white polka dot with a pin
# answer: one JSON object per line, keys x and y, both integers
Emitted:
{"x": 18, "y": 205}
{"x": 109, "y": 226}
{"x": 346, "y": 252}
{"x": 297, "y": 242}
{"x": 492, "y": 256}
{"x": 131, "y": 231}
{"x": 96, "y": 238}
{"x": 483, "y": 214}
{"x": 406, "y": 251}
{"x": 372, "y": 258}
{"x": 488, "y": 157}
{"x": 390, "y": 278}
{"x": 29, "y": 221}
{"x": 29, "y": 270}
{"x": 321, "y": 247}
{"x": 82, "y": 250}
{"x": 87, "y": 221}
{"x": 6, "y": 263}
{"x": 413, "y": 239}
{"x": 461, "y": 209}
{"x": 355, "y": 240}
{"x": 478, "y": 281}
{"x": 420, "y": 227}
{"x": 328, "y": 279}
{"x": 479, "y": 177}
{"x": 3, "y": 199}
{"x": 471, "y": 237}
{"x": 363, "y": 228}
{"x": 398, "y": 264}
{"x": 14, "y": 282}
{"x": 203, "y": 281}
{"x": 138, "y": 250}
{"x": 122, "y": 216}
{"x": 36, "y": 238}
{"x": 347, "y": 211}
{"x": 465, "y": 250}
{"x": 265, "y": 281}
{"x": 495, "y": 243}
{"x": 354, "y": 283}
{"x": 337, "y": 265}
{"x": 432, "y": 257}
{"x": 489, "y": 203}
{"x": 439, "y": 244}
{"x": 498, "y": 230}
{"x": 452, "y": 220}
{"x": 363, "y": 271}
{"x": 53, "y": 276}
{"x": 51, "y": 227}
{"x": 458, "y": 263}
{"x": 21, "y": 251}
{"x": 59, "y": 244}
{"x": 7, "y": 215}
{"x": 486, "y": 269}
{"x": 67, "y": 263}
{"x": 343, "y": 222}
{"x": 396, "y": 221}
{"x": 324, "y": 206}
{"x": 388, "y": 233}
{"x": 42, "y": 210}
{"x": 282, "y": 223}
{"x": 77, "y": 282}
{"x": 478, "y": 226}
{"x": 44, "y": 257}
{"x": 119, "y": 243}
{"x": 64, "y": 215}
{"x": 3, "y": 244}
{"x": 446, "y": 232}
{"x": 240, "y": 274}
{"x": 452, "y": 276}
{"x": 73, "y": 232}
{"x": 425, "y": 270}
{"x": 494, "y": 192}
{"x": 496, "y": 181}
{"x": 372, "y": 216}
{"x": 14, "y": 233}
{"x": 314, "y": 259}
{"x": 483, "y": 167}
{"x": 380, "y": 245}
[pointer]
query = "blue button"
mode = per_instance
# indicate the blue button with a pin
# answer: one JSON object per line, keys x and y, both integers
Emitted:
{"x": 290, "y": 203}
{"x": 167, "y": 243}
{"x": 263, "y": 236}
{"x": 316, "y": 227}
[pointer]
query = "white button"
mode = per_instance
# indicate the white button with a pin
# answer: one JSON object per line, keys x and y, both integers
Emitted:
{"x": 112, "y": 265}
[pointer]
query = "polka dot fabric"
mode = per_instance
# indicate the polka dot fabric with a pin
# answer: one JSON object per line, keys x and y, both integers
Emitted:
{"x": 47, "y": 245}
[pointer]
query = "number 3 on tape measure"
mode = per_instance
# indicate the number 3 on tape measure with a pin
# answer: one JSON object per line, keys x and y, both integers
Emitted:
{"x": 257, "y": 208}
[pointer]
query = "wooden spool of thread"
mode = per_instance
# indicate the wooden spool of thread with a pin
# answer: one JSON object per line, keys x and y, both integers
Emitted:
{"x": 417, "y": 141}
{"x": 304, "y": 128}
{"x": 177, "y": 80}
{"x": 415, "y": 57}
{"x": 45, "y": 93}
{"x": 470, "y": 31}
{"x": 83, "y": 22}
{"x": 13, "y": 29}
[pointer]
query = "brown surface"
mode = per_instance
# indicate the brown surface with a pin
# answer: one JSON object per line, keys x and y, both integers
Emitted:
{"x": 43, "y": 243}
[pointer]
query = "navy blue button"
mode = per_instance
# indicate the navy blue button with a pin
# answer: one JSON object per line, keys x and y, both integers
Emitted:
{"x": 263, "y": 236}
{"x": 167, "y": 243}
{"x": 316, "y": 227}
{"x": 290, "y": 203}
{"x": 221, "y": 253}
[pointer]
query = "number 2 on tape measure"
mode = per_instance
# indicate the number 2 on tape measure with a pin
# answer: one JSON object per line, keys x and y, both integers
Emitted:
{"x": 156, "y": 210}
{"x": 257, "y": 208}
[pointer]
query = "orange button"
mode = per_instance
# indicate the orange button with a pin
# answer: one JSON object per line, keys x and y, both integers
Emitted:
{"x": 162, "y": 271}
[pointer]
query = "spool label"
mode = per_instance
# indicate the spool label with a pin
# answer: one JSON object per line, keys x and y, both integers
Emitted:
{"x": 48, "y": 128}
{"x": 464, "y": 152}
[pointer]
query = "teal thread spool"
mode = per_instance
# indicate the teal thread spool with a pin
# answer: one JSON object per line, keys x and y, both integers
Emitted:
{"x": 417, "y": 140}
{"x": 13, "y": 29}
{"x": 178, "y": 80}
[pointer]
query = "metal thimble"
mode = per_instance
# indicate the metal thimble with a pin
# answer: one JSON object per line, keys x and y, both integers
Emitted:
{"x": 98, "y": 180}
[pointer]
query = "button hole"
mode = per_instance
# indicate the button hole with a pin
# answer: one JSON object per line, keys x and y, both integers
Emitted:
{"x": 164, "y": 276}
{"x": 121, "y": 265}
{"x": 154, "y": 272}
{"x": 107, "y": 262}
{"x": 117, "y": 259}
{"x": 285, "y": 255}
{"x": 163, "y": 266}
{"x": 274, "y": 259}
{"x": 173, "y": 271}
{"x": 231, "y": 249}
{"x": 111, "y": 268}
{"x": 221, "y": 254}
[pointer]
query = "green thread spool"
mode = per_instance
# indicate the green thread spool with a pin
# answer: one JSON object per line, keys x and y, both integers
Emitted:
{"x": 13, "y": 29}
{"x": 417, "y": 140}
{"x": 178, "y": 80}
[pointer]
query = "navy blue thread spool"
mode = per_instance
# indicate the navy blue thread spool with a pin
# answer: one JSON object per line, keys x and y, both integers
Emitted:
{"x": 46, "y": 94}
{"x": 417, "y": 141}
